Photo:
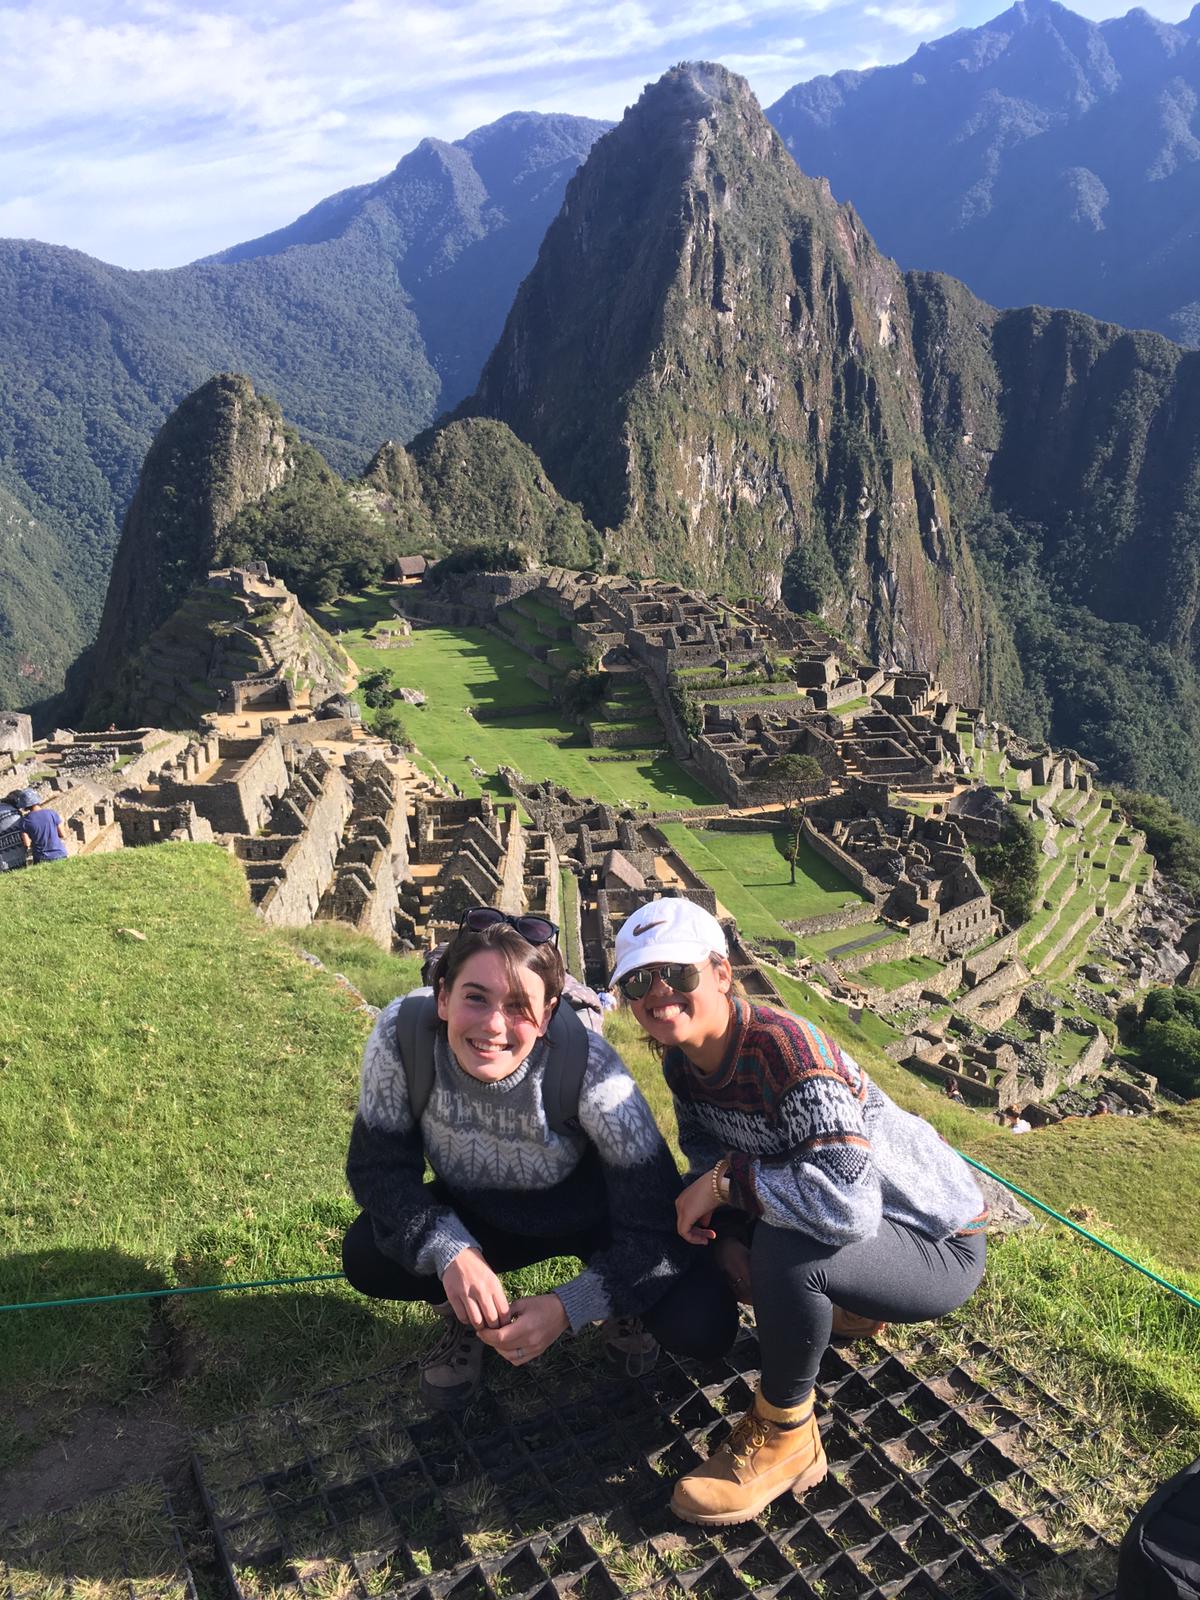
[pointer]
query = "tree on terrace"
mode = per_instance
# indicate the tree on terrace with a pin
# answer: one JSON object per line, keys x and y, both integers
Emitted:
{"x": 795, "y": 775}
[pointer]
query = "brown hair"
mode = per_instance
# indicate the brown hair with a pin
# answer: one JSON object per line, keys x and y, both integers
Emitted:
{"x": 543, "y": 960}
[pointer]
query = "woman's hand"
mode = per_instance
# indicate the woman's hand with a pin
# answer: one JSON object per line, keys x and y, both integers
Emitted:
{"x": 531, "y": 1327}
{"x": 733, "y": 1258}
{"x": 475, "y": 1293}
{"x": 693, "y": 1208}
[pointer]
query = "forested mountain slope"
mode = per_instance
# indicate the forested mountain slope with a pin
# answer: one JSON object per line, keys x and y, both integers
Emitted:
{"x": 366, "y": 317}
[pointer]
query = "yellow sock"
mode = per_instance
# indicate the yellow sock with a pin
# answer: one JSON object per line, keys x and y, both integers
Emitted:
{"x": 784, "y": 1416}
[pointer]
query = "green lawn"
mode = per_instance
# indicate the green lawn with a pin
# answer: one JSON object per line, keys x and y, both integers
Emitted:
{"x": 175, "y": 1110}
{"x": 472, "y": 667}
{"x": 819, "y": 945}
{"x": 895, "y": 974}
{"x": 751, "y": 867}
{"x": 378, "y": 975}
{"x": 568, "y": 886}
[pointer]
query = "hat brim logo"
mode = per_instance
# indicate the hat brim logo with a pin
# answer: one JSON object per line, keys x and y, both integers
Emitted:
{"x": 646, "y": 926}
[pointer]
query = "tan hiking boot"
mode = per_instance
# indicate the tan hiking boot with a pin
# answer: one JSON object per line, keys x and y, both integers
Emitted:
{"x": 450, "y": 1372}
{"x": 769, "y": 1452}
{"x": 629, "y": 1345}
{"x": 848, "y": 1325}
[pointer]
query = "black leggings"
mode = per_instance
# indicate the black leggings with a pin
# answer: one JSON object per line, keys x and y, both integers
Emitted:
{"x": 898, "y": 1276}
{"x": 697, "y": 1316}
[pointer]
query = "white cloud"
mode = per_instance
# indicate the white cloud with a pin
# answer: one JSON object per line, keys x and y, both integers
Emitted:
{"x": 150, "y": 131}
{"x": 925, "y": 21}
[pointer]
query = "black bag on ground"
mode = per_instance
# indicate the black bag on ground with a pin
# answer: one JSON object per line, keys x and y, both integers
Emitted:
{"x": 1160, "y": 1555}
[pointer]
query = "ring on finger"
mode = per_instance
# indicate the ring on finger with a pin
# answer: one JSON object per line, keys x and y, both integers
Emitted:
{"x": 520, "y": 1353}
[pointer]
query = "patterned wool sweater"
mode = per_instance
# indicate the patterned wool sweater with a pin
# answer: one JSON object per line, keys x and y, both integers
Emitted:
{"x": 493, "y": 1149}
{"x": 812, "y": 1143}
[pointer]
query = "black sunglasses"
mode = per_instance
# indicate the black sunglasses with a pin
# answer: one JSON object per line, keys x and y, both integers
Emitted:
{"x": 534, "y": 930}
{"x": 636, "y": 985}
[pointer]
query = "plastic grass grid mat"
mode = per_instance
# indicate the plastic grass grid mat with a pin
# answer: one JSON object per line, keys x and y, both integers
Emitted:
{"x": 948, "y": 1481}
{"x": 120, "y": 1546}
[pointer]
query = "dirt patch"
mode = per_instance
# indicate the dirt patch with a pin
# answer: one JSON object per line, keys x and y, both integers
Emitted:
{"x": 100, "y": 1448}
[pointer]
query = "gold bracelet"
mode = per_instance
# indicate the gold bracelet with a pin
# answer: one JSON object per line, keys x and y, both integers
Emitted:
{"x": 717, "y": 1173}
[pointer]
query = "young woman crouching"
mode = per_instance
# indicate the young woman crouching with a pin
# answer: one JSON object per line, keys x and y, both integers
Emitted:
{"x": 508, "y": 1189}
{"x": 851, "y": 1210}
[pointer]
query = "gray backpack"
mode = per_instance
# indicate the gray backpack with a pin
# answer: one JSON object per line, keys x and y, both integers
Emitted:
{"x": 566, "y": 1065}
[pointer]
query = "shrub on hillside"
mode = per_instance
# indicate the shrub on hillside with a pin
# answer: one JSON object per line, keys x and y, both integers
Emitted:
{"x": 313, "y": 534}
{"x": 1010, "y": 868}
{"x": 390, "y": 725}
{"x": 1166, "y": 1035}
{"x": 1172, "y": 840}
{"x": 584, "y": 688}
{"x": 687, "y": 708}
{"x": 492, "y": 556}
{"x": 376, "y": 690}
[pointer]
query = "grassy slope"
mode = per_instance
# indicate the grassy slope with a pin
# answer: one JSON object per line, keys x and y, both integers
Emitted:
{"x": 174, "y": 1110}
{"x": 472, "y": 667}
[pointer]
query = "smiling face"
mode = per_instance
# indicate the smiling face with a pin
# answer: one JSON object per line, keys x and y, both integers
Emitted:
{"x": 490, "y": 1027}
{"x": 697, "y": 1022}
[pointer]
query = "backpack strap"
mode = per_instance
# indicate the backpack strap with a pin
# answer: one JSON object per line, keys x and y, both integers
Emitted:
{"x": 416, "y": 1031}
{"x": 566, "y": 1067}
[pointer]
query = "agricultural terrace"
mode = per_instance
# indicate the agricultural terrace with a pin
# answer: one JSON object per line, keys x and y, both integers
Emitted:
{"x": 751, "y": 878}
{"x": 472, "y": 670}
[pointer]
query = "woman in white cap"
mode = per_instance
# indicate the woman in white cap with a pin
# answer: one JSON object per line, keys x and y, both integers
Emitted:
{"x": 852, "y": 1211}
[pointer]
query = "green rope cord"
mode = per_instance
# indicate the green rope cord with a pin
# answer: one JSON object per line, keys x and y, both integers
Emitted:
{"x": 155, "y": 1294}
{"x": 1067, "y": 1223}
{"x": 327, "y": 1277}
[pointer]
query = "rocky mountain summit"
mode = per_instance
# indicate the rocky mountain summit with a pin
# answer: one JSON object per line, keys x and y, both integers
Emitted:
{"x": 1042, "y": 158}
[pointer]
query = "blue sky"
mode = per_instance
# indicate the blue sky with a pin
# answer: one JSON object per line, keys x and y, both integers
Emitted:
{"x": 150, "y": 132}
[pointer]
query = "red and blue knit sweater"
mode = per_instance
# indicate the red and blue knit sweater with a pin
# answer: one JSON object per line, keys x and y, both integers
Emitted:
{"x": 812, "y": 1143}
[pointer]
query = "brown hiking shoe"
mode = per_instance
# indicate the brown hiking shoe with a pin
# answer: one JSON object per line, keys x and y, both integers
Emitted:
{"x": 848, "y": 1325}
{"x": 758, "y": 1462}
{"x": 450, "y": 1372}
{"x": 629, "y": 1345}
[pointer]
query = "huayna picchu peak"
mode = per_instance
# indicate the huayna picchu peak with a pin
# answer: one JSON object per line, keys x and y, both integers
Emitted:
{"x": 714, "y": 360}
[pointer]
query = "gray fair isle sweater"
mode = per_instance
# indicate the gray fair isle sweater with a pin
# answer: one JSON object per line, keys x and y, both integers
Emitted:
{"x": 495, "y": 1155}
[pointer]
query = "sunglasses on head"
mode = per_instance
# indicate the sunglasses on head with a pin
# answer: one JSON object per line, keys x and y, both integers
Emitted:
{"x": 636, "y": 985}
{"x": 534, "y": 930}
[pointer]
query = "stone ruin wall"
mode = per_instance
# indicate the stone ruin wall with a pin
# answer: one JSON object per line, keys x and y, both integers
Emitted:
{"x": 862, "y": 880}
{"x": 239, "y": 803}
{"x": 293, "y": 861}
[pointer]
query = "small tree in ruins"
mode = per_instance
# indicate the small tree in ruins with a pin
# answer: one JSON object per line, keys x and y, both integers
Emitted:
{"x": 795, "y": 776}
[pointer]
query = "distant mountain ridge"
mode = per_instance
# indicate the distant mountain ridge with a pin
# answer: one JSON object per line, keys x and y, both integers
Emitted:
{"x": 365, "y": 318}
{"x": 1040, "y": 158}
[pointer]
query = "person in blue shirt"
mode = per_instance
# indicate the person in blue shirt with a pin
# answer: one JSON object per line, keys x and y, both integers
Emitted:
{"x": 42, "y": 829}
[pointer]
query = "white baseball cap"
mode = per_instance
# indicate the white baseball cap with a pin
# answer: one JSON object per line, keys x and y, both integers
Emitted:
{"x": 666, "y": 931}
